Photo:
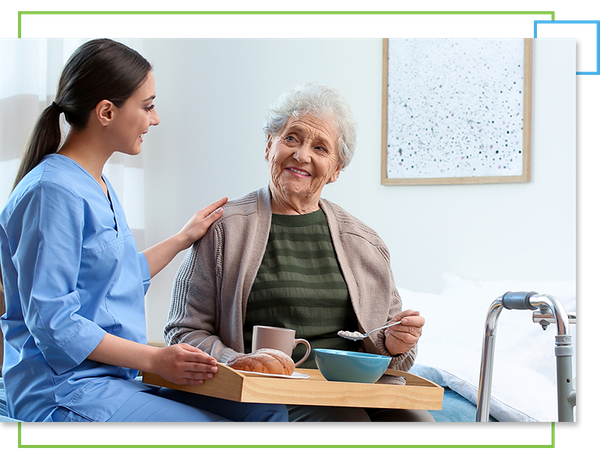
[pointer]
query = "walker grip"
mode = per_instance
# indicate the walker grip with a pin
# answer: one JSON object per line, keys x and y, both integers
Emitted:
{"x": 518, "y": 300}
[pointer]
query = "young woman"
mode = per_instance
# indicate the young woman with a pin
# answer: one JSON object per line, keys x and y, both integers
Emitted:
{"x": 74, "y": 281}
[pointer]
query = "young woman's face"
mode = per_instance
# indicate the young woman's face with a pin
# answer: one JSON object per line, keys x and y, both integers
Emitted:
{"x": 133, "y": 119}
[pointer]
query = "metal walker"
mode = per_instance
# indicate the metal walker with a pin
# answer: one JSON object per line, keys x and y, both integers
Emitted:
{"x": 547, "y": 309}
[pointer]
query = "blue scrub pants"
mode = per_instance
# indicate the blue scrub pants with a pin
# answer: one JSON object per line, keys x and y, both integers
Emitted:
{"x": 167, "y": 405}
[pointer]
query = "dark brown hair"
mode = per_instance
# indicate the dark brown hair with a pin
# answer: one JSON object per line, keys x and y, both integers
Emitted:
{"x": 99, "y": 69}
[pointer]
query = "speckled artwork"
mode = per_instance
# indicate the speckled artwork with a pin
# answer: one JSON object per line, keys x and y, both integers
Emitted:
{"x": 455, "y": 108}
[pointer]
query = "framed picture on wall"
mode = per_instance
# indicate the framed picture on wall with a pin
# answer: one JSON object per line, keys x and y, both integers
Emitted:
{"x": 456, "y": 111}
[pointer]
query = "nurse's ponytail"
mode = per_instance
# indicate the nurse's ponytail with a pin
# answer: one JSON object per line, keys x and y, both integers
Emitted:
{"x": 44, "y": 139}
{"x": 98, "y": 70}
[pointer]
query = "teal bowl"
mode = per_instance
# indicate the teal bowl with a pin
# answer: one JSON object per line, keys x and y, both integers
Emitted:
{"x": 350, "y": 366}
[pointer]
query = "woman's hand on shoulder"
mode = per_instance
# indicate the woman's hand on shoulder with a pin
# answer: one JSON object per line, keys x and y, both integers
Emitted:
{"x": 198, "y": 225}
{"x": 161, "y": 254}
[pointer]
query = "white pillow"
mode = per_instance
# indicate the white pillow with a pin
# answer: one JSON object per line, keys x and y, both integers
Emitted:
{"x": 524, "y": 374}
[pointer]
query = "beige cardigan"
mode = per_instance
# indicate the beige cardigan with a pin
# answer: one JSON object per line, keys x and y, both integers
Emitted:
{"x": 213, "y": 283}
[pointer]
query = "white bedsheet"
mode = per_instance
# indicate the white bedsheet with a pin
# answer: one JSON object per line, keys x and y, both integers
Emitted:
{"x": 524, "y": 374}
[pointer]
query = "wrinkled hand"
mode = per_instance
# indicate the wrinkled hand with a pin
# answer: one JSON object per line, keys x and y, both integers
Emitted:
{"x": 401, "y": 338}
{"x": 197, "y": 226}
{"x": 183, "y": 364}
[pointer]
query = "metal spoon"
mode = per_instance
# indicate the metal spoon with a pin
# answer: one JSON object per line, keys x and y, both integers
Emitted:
{"x": 360, "y": 336}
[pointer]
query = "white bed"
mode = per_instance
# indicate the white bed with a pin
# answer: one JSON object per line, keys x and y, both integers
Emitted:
{"x": 524, "y": 375}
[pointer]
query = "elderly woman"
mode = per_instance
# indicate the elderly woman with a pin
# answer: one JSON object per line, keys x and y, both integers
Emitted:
{"x": 283, "y": 256}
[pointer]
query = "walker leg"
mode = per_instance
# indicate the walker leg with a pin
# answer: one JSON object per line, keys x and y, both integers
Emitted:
{"x": 563, "y": 349}
{"x": 564, "y": 354}
{"x": 510, "y": 300}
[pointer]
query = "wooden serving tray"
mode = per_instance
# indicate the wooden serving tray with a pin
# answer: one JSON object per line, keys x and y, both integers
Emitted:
{"x": 418, "y": 393}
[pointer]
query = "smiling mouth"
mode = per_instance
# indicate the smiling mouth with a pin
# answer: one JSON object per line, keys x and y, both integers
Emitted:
{"x": 299, "y": 172}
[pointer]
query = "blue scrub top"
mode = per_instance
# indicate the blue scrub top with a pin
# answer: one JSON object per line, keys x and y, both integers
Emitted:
{"x": 72, "y": 273}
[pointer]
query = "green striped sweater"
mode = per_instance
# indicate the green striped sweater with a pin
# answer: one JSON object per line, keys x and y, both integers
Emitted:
{"x": 300, "y": 286}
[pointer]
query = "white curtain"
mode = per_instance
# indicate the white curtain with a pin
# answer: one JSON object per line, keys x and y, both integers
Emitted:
{"x": 29, "y": 73}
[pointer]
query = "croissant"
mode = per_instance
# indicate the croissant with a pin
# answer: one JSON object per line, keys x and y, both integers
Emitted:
{"x": 264, "y": 360}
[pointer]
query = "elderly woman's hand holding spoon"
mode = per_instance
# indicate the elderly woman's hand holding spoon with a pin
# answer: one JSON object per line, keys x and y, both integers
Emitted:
{"x": 404, "y": 336}
{"x": 401, "y": 334}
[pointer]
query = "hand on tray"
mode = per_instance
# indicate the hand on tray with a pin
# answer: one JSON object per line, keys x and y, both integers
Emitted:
{"x": 183, "y": 364}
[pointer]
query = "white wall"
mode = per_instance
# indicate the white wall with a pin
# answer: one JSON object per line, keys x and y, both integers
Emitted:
{"x": 212, "y": 96}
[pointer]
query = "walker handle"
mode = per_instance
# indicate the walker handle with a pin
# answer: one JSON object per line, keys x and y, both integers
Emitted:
{"x": 518, "y": 300}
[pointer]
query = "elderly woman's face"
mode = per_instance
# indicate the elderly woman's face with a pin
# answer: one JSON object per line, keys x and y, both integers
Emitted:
{"x": 303, "y": 158}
